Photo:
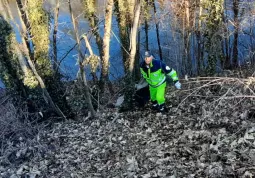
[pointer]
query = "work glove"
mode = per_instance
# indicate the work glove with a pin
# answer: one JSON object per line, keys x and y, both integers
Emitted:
{"x": 178, "y": 85}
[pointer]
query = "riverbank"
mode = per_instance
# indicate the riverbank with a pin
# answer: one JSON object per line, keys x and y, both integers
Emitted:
{"x": 209, "y": 131}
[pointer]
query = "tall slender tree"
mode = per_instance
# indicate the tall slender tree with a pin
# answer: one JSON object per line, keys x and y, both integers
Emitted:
{"x": 29, "y": 79}
{"x": 90, "y": 14}
{"x": 26, "y": 27}
{"x": 123, "y": 23}
{"x": 55, "y": 31}
{"x": 106, "y": 44}
{"x": 198, "y": 32}
{"x": 236, "y": 31}
{"x": 226, "y": 63}
{"x": 213, "y": 28}
{"x": 133, "y": 36}
{"x": 9, "y": 72}
{"x": 39, "y": 28}
{"x": 81, "y": 58}
{"x": 130, "y": 9}
{"x": 25, "y": 51}
{"x": 183, "y": 12}
{"x": 146, "y": 29}
{"x": 129, "y": 79}
{"x": 157, "y": 31}
{"x": 146, "y": 14}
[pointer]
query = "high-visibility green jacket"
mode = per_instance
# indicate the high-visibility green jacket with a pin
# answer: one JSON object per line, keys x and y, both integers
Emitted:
{"x": 155, "y": 73}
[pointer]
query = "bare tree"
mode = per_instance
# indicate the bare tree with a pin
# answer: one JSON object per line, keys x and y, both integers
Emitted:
{"x": 55, "y": 31}
{"x": 133, "y": 47}
{"x": 131, "y": 6}
{"x": 25, "y": 25}
{"x": 133, "y": 36}
{"x": 225, "y": 46}
{"x": 81, "y": 67}
{"x": 123, "y": 23}
{"x": 146, "y": 29}
{"x": 90, "y": 14}
{"x": 236, "y": 30}
{"x": 25, "y": 51}
{"x": 157, "y": 32}
{"x": 106, "y": 44}
{"x": 21, "y": 59}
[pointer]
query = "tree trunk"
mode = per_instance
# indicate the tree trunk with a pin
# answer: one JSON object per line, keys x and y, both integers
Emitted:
{"x": 198, "y": 35}
{"x": 137, "y": 63}
{"x": 39, "y": 28}
{"x": 106, "y": 44}
{"x": 133, "y": 37}
{"x": 45, "y": 93}
{"x": 25, "y": 25}
{"x": 93, "y": 70}
{"x": 227, "y": 62}
{"x": 187, "y": 13}
{"x": 94, "y": 23}
{"x": 187, "y": 34}
{"x": 129, "y": 90}
{"x": 19, "y": 54}
{"x": 81, "y": 67}
{"x": 88, "y": 45}
{"x": 8, "y": 61}
{"x": 157, "y": 31}
{"x": 252, "y": 37}
{"x": 131, "y": 7}
{"x": 55, "y": 31}
{"x": 123, "y": 31}
{"x": 236, "y": 30}
{"x": 146, "y": 29}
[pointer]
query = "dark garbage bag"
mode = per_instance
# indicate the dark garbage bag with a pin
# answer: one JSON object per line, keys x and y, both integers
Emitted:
{"x": 142, "y": 94}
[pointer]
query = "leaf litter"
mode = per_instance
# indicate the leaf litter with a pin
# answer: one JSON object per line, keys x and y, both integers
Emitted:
{"x": 201, "y": 136}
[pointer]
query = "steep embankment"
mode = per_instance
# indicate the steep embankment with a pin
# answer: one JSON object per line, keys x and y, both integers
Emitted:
{"x": 209, "y": 131}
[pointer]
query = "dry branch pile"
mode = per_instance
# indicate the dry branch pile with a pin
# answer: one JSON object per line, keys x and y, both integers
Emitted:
{"x": 208, "y": 132}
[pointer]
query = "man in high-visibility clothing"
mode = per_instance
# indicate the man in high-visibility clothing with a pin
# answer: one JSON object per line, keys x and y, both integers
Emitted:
{"x": 155, "y": 72}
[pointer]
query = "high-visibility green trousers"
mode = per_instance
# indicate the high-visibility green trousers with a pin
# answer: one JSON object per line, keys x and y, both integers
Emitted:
{"x": 158, "y": 93}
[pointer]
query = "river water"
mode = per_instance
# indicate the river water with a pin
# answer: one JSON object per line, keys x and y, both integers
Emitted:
{"x": 171, "y": 40}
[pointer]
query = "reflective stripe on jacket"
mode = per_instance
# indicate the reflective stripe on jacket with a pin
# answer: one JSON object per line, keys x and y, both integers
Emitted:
{"x": 155, "y": 73}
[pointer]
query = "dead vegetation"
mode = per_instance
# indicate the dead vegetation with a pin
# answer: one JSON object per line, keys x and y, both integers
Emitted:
{"x": 208, "y": 132}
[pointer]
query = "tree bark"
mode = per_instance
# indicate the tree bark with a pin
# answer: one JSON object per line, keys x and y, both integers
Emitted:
{"x": 137, "y": 66}
{"x": 129, "y": 90}
{"x": 93, "y": 73}
{"x": 45, "y": 93}
{"x": 25, "y": 25}
{"x": 198, "y": 35}
{"x": 88, "y": 45}
{"x": 44, "y": 90}
{"x": 131, "y": 7}
{"x": 227, "y": 63}
{"x": 6, "y": 58}
{"x": 55, "y": 31}
{"x": 187, "y": 35}
{"x": 133, "y": 36}
{"x": 81, "y": 67}
{"x": 236, "y": 30}
{"x": 157, "y": 31}
{"x": 123, "y": 31}
{"x": 187, "y": 13}
{"x": 21, "y": 59}
{"x": 93, "y": 21}
{"x": 106, "y": 44}
{"x": 146, "y": 29}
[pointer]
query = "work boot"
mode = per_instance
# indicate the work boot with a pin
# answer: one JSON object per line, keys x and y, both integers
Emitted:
{"x": 154, "y": 105}
{"x": 162, "y": 108}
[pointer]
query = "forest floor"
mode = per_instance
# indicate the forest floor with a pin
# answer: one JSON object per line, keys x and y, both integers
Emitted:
{"x": 209, "y": 131}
